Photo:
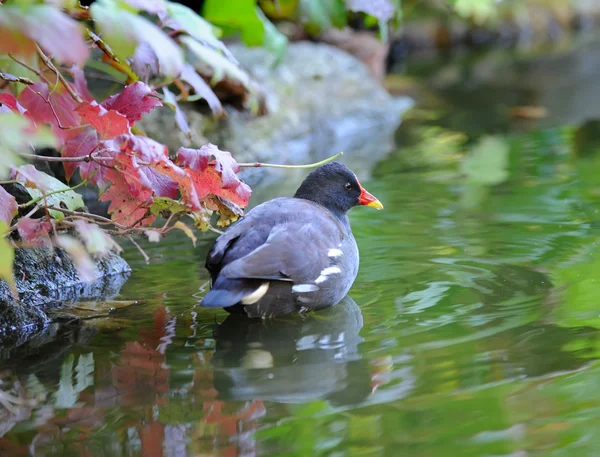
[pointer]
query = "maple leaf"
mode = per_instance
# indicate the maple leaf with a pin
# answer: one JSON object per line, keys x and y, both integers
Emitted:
{"x": 81, "y": 146}
{"x": 17, "y": 133}
{"x": 123, "y": 31}
{"x": 8, "y": 206}
{"x": 180, "y": 118}
{"x": 9, "y": 101}
{"x": 145, "y": 62}
{"x": 41, "y": 185}
{"x": 124, "y": 208}
{"x": 225, "y": 164}
{"x": 197, "y": 186}
{"x": 55, "y": 32}
{"x": 135, "y": 100}
{"x": 35, "y": 231}
{"x": 79, "y": 83}
{"x": 36, "y": 99}
{"x": 191, "y": 76}
{"x": 108, "y": 122}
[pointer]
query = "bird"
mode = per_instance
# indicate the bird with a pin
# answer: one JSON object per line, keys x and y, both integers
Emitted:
{"x": 290, "y": 254}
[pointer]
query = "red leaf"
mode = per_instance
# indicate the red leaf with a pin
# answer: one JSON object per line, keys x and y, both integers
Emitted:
{"x": 159, "y": 175}
{"x": 8, "y": 207}
{"x": 11, "y": 102}
{"x": 56, "y": 33}
{"x": 225, "y": 164}
{"x": 199, "y": 185}
{"x": 189, "y": 75}
{"x": 124, "y": 208}
{"x": 204, "y": 180}
{"x": 180, "y": 118}
{"x": 145, "y": 62}
{"x": 81, "y": 146}
{"x": 35, "y": 231}
{"x": 135, "y": 100}
{"x": 34, "y": 100}
{"x": 79, "y": 83}
{"x": 108, "y": 123}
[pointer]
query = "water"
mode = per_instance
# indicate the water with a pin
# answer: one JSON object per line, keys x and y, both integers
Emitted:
{"x": 472, "y": 329}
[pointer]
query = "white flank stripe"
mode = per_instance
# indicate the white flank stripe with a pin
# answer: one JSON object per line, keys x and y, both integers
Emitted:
{"x": 334, "y": 252}
{"x": 304, "y": 288}
{"x": 259, "y": 293}
{"x": 325, "y": 274}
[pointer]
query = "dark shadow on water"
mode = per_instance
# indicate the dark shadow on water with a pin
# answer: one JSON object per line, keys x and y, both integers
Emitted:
{"x": 295, "y": 359}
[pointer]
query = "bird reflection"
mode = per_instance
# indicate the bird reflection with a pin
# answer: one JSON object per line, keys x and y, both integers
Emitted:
{"x": 293, "y": 359}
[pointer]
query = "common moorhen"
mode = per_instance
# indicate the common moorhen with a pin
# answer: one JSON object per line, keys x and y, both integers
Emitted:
{"x": 290, "y": 254}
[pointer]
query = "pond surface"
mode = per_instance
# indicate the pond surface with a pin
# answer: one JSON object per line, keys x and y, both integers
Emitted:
{"x": 473, "y": 328}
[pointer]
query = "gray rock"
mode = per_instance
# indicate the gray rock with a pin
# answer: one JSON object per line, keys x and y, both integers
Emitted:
{"x": 321, "y": 100}
{"x": 46, "y": 277}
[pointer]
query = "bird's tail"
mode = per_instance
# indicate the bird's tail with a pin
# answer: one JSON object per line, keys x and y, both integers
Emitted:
{"x": 228, "y": 292}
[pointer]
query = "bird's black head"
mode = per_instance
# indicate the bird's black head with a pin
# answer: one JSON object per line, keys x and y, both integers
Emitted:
{"x": 336, "y": 187}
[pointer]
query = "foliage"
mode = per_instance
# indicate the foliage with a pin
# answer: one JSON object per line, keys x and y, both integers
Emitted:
{"x": 45, "y": 102}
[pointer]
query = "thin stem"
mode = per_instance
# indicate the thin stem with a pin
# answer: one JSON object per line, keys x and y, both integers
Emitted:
{"x": 114, "y": 61}
{"x": 31, "y": 69}
{"x": 275, "y": 165}
{"x": 14, "y": 181}
{"x": 51, "y": 66}
{"x": 16, "y": 79}
{"x": 86, "y": 158}
{"x": 139, "y": 248}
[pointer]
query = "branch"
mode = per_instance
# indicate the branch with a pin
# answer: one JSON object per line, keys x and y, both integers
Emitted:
{"x": 275, "y": 165}
{"x": 51, "y": 66}
{"x": 87, "y": 158}
{"x": 31, "y": 69}
{"x": 113, "y": 60}
{"x": 16, "y": 79}
{"x": 139, "y": 248}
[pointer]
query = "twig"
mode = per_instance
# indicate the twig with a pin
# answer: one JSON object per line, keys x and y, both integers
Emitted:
{"x": 16, "y": 79}
{"x": 216, "y": 230}
{"x": 87, "y": 158}
{"x": 51, "y": 66}
{"x": 31, "y": 69}
{"x": 114, "y": 61}
{"x": 139, "y": 248}
{"x": 275, "y": 165}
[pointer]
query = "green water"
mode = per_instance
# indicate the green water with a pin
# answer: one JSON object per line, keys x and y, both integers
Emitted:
{"x": 473, "y": 328}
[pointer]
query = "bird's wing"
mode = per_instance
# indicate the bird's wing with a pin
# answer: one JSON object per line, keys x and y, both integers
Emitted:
{"x": 223, "y": 243}
{"x": 297, "y": 252}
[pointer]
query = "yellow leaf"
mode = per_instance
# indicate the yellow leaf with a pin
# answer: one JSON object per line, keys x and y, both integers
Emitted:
{"x": 188, "y": 231}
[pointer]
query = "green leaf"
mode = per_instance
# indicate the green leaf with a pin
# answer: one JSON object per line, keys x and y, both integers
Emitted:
{"x": 164, "y": 206}
{"x": 247, "y": 18}
{"x": 42, "y": 186}
{"x": 123, "y": 30}
{"x": 478, "y": 10}
{"x": 273, "y": 41}
{"x": 7, "y": 256}
{"x": 222, "y": 67}
{"x": 17, "y": 134}
{"x": 238, "y": 15}
{"x": 320, "y": 15}
{"x": 180, "y": 17}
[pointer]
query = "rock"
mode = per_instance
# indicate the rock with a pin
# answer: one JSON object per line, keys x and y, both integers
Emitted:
{"x": 320, "y": 99}
{"x": 46, "y": 277}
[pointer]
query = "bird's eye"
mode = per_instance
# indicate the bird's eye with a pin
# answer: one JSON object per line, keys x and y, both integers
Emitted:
{"x": 347, "y": 186}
